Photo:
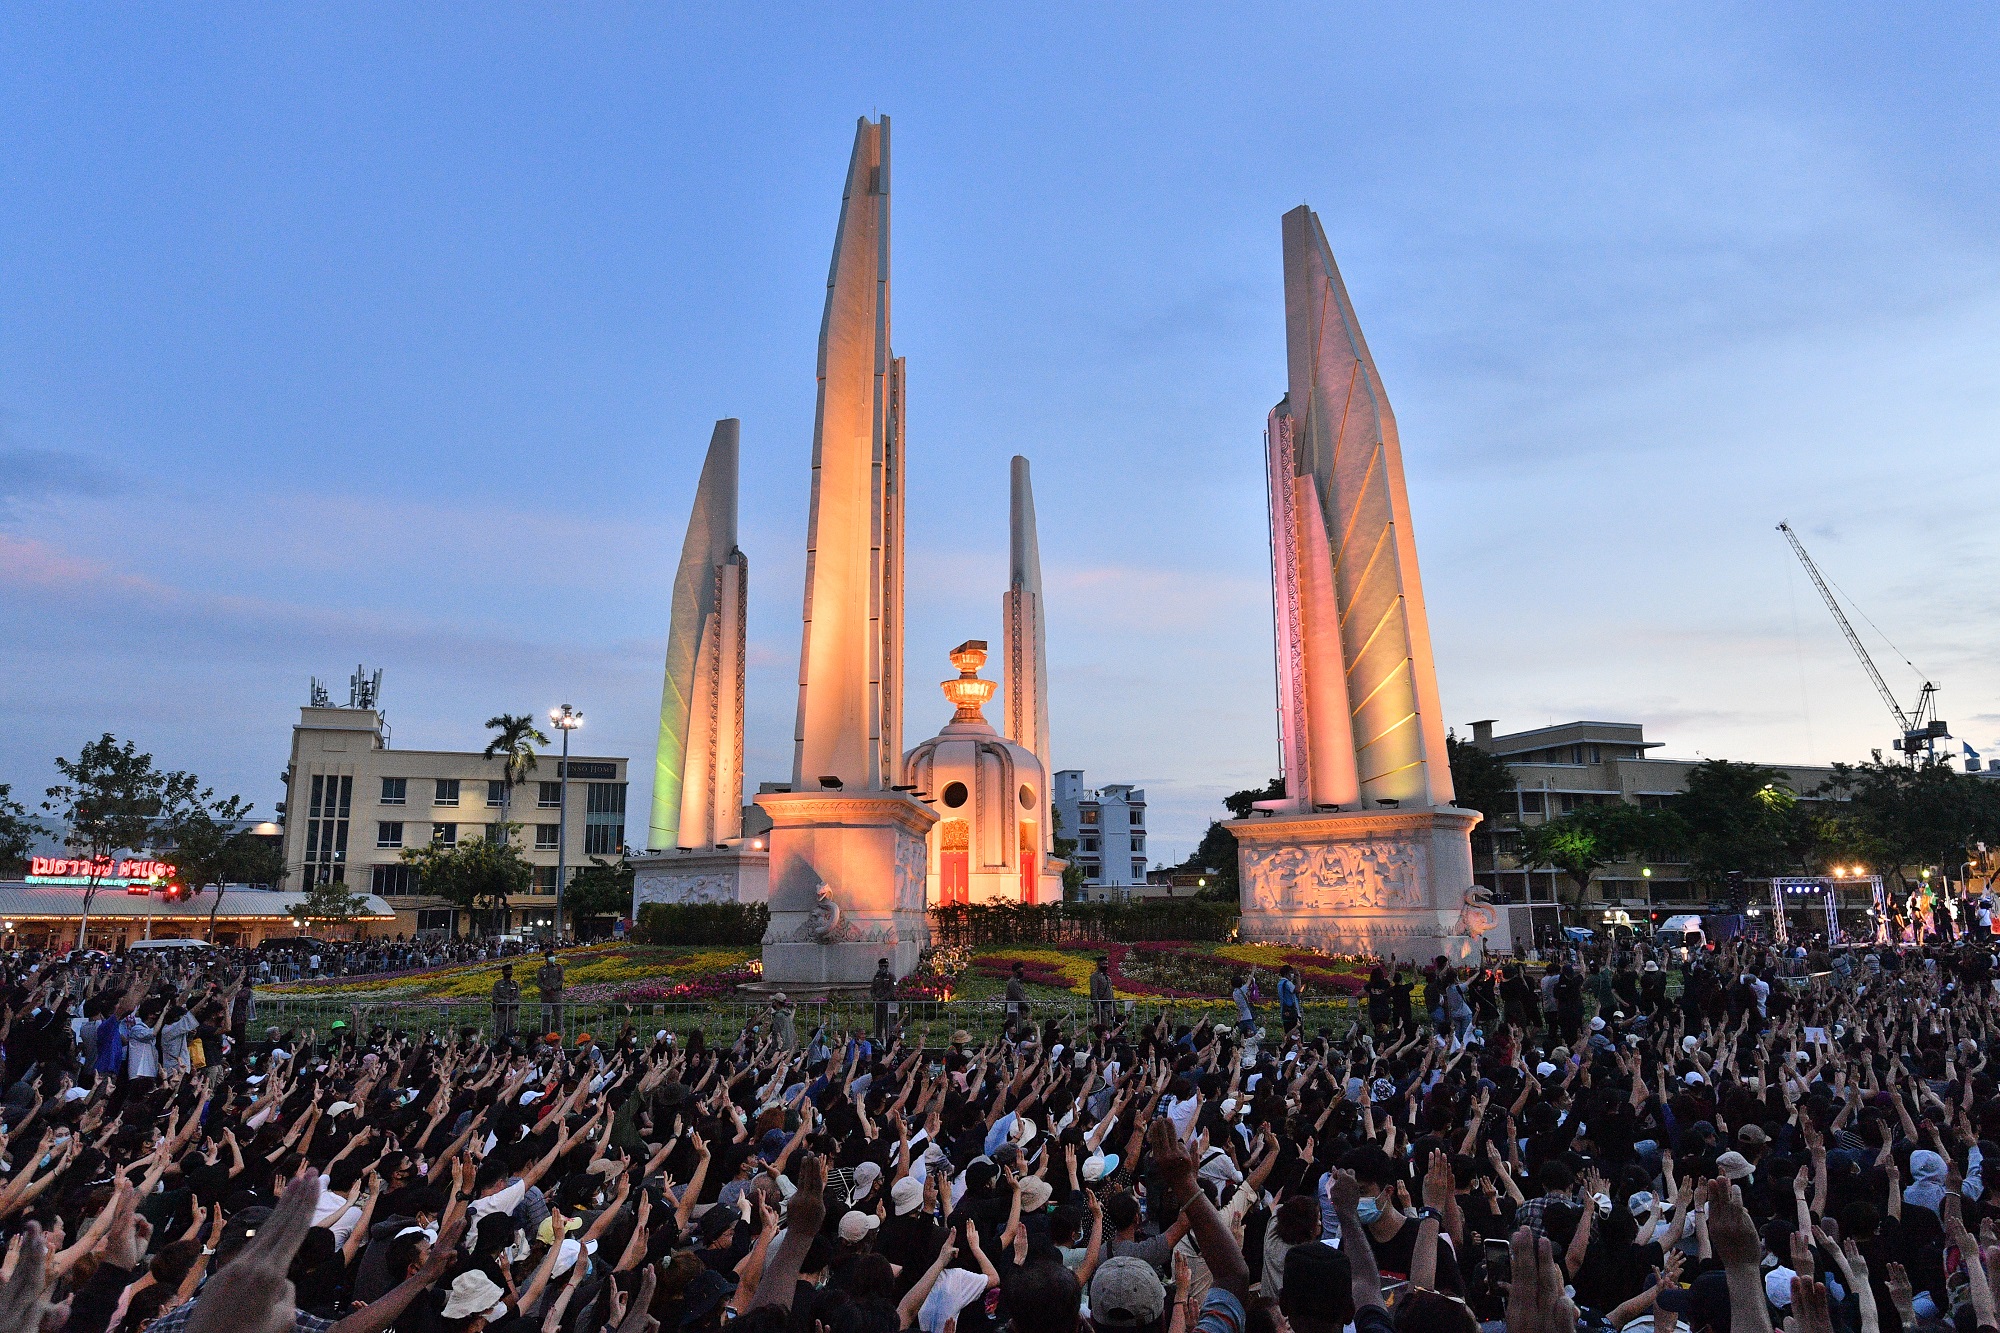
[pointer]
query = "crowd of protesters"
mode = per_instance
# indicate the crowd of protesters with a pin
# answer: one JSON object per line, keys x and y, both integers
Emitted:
{"x": 1728, "y": 1143}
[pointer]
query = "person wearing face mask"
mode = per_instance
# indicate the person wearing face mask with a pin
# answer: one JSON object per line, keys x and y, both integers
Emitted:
{"x": 1384, "y": 1209}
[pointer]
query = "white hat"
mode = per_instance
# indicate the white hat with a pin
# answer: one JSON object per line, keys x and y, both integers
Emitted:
{"x": 1641, "y": 1203}
{"x": 905, "y": 1195}
{"x": 1693, "y": 1077}
{"x": 472, "y": 1292}
{"x": 1228, "y": 1107}
{"x": 1024, "y": 1131}
{"x": 1099, "y": 1165}
{"x": 339, "y": 1107}
{"x": 1544, "y": 1069}
{"x": 1689, "y": 1042}
{"x": 1597, "y": 1025}
{"x": 855, "y": 1226}
{"x": 1778, "y": 1286}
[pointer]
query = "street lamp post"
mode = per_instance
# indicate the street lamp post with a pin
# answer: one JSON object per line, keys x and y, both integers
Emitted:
{"x": 568, "y": 719}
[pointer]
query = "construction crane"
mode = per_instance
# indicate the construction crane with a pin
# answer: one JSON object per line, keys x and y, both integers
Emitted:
{"x": 1921, "y": 728}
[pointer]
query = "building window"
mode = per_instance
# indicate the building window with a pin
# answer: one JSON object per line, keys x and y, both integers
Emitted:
{"x": 1087, "y": 816}
{"x": 545, "y": 879}
{"x": 954, "y": 794}
{"x": 1138, "y": 816}
{"x": 1138, "y": 842}
{"x": 1531, "y": 802}
{"x": 545, "y": 838}
{"x": 496, "y": 833}
{"x": 496, "y": 792}
{"x": 1568, "y": 802}
{"x": 1596, "y": 755}
{"x": 604, "y": 819}
{"x": 394, "y": 790}
{"x": 447, "y": 792}
{"x": 1089, "y": 844}
{"x": 548, "y": 795}
{"x": 389, "y": 834}
{"x": 442, "y": 919}
{"x": 328, "y": 806}
{"x": 1138, "y": 870}
{"x": 444, "y": 835}
{"x": 393, "y": 881}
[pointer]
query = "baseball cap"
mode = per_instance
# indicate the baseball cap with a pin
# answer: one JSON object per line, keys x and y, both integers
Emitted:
{"x": 716, "y": 1221}
{"x": 1597, "y": 1025}
{"x": 905, "y": 1195}
{"x": 1097, "y": 1166}
{"x": 855, "y": 1226}
{"x": 1733, "y": 1165}
{"x": 1753, "y": 1135}
{"x": 1126, "y": 1293}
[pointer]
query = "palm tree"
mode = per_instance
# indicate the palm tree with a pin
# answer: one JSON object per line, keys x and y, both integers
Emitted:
{"x": 514, "y": 740}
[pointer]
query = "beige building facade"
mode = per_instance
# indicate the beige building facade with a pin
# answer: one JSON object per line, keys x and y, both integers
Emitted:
{"x": 1560, "y": 769}
{"x": 353, "y": 805}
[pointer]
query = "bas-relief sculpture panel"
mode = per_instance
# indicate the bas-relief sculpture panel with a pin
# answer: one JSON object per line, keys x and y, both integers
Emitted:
{"x": 1376, "y": 873}
{"x": 686, "y": 889}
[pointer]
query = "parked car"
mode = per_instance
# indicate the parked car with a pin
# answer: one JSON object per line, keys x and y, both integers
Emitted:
{"x": 165, "y": 946}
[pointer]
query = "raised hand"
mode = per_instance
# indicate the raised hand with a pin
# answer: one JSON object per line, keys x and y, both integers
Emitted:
{"x": 1731, "y": 1233}
{"x": 1439, "y": 1183}
{"x": 21, "y": 1303}
{"x": 252, "y": 1294}
{"x": 1534, "y": 1295}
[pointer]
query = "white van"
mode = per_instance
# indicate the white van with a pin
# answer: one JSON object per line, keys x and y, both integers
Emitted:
{"x": 1678, "y": 935}
{"x": 167, "y": 946}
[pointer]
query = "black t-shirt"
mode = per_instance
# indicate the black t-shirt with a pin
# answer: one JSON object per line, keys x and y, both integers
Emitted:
{"x": 1392, "y": 1257}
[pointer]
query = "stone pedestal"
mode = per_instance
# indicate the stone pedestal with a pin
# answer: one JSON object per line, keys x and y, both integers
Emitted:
{"x": 738, "y": 873}
{"x": 847, "y": 886}
{"x": 1391, "y": 881}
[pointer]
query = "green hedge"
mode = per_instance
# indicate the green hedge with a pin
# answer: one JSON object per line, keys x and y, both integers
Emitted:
{"x": 1069, "y": 923}
{"x": 739, "y": 924}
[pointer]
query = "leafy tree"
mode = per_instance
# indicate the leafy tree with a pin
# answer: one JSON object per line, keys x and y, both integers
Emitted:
{"x": 1742, "y": 817}
{"x": 1581, "y": 843}
{"x": 514, "y": 740}
{"x": 1480, "y": 781}
{"x": 209, "y": 853}
{"x": 330, "y": 902}
{"x": 1215, "y": 855}
{"x": 17, "y": 835}
{"x": 473, "y": 874}
{"x": 601, "y": 889}
{"x": 108, "y": 799}
{"x": 1065, "y": 851}
{"x": 1895, "y": 815}
{"x": 1241, "y": 802}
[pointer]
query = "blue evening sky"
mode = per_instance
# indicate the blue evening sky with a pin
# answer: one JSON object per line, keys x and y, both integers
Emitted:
{"x": 394, "y": 333}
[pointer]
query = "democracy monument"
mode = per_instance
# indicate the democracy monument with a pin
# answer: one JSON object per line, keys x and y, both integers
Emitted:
{"x": 1364, "y": 853}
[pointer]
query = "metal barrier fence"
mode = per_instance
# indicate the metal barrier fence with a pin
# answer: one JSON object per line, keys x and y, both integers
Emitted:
{"x": 723, "y": 1019}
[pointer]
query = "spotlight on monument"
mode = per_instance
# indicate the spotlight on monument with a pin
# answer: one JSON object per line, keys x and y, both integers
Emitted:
{"x": 910, "y": 787}
{"x": 831, "y": 783}
{"x": 1326, "y": 807}
{"x": 1388, "y": 802}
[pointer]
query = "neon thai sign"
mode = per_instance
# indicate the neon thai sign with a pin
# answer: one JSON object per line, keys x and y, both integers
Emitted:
{"x": 134, "y": 874}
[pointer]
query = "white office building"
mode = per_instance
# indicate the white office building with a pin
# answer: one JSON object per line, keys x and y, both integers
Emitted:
{"x": 1109, "y": 826}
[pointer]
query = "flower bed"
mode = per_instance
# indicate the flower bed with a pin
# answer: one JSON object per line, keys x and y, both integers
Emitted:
{"x": 1170, "y": 969}
{"x": 592, "y": 974}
